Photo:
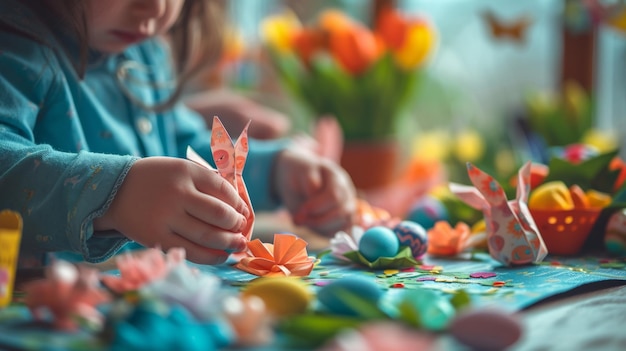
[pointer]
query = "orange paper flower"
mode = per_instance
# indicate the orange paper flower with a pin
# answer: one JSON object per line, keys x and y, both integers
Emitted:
{"x": 443, "y": 240}
{"x": 286, "y": 257}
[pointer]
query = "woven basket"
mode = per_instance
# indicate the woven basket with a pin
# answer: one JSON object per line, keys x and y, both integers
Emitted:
{"x": 565, "y": 232}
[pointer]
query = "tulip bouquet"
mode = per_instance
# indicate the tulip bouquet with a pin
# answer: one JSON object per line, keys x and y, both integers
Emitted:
{"x": 340, "y": 67}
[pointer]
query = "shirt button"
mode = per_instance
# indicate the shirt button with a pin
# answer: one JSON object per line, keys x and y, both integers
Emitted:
{"x": 144, "y": 125}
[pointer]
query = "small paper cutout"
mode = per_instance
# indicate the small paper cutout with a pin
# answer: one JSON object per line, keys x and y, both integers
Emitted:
{"x": 513, "y": 237}
{"x": 286, "y": 257}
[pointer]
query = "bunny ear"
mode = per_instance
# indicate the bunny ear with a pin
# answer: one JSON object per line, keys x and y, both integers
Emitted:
{"x": 487, "y": 185}
{"x": 241, "y": 149}
{"x": 223, "y": 151}
{"x": 469, "y": 195}
{"x": 523, "y": 182}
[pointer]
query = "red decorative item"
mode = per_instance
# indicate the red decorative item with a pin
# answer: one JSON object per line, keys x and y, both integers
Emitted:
{"x": 565, "y": 232}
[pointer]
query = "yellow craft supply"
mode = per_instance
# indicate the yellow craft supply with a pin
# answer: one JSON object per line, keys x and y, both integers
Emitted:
{"x": 10, "y": 236}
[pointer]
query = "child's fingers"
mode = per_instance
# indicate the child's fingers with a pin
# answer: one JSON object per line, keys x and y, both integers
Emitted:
{"x": 194, "y": 252}
{"x": 212, "y": 184}
{"x": 309, "y": 183}
{"x": 206, "y": 235}
{"x": 215, "y": 212}
{"x": 316, "y": 206}
{"x": 329, "y": 223}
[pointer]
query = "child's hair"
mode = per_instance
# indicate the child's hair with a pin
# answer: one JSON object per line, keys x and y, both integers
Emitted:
{"x": 195, "y": 38}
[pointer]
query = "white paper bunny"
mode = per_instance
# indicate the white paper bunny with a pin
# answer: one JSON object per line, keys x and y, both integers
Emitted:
{"x": 513, "y": 237}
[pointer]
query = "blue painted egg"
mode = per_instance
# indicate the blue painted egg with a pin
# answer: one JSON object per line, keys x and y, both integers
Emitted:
{"x": 413, "y": 235}
{"x": 427, "y": 211}
{"x": 342, "y": 296}
{"x": 427, "y": 309}
{"x": 378, "y": 242}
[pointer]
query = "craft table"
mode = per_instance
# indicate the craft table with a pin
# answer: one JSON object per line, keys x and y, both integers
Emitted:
{"x": 576, "y": 303}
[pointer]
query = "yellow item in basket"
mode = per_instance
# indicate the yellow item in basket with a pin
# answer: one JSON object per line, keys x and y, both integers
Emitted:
{"x": 10, "y": 236}
{"x": 553, "y": 195}
{"x": 598, "y": 199}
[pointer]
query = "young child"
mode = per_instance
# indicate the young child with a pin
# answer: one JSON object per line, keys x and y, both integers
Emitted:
{"x": 92, "y": 137}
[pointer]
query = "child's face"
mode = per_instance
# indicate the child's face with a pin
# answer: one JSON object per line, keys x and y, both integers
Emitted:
{"x": 115, "y": 25}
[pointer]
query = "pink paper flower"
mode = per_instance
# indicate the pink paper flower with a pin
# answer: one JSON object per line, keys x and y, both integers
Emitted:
{"x": 142, "y": 267}
{"x": 68, "y": 293}
{"x": 344, "y": 242}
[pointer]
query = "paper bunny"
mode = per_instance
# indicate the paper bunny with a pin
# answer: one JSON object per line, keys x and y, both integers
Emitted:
{"x": 230, "y": 159}
{"x": 513, "y": 237}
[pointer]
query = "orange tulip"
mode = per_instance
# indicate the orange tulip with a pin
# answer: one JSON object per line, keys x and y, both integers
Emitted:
{"x": 355, "y": 49}
{"x": 335, "y": 21}
{"x": 392, "y": 28}
{"x": 307, "y": 42}
{"x": 618, "y": 164}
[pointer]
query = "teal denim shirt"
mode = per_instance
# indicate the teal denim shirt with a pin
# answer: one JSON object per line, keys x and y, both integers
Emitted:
{"x": 66, "y": 144}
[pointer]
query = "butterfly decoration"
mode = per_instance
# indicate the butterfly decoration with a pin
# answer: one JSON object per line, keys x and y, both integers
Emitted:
{"x": 514, "y": 31}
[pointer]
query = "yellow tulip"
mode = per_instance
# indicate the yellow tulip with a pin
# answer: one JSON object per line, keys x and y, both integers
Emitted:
{"x": 418, "y": 45}
{"x": 433, "y": 145}
{"x": 278, "y": 30}
{"x": 604, "y": 141}
{"x": 469, "y": 146}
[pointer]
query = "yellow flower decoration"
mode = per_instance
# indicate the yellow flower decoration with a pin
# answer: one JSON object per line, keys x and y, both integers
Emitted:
{"x": 469, "y": 146}
{"x": 278, "y": 30}
{"x": 417, "y": 47}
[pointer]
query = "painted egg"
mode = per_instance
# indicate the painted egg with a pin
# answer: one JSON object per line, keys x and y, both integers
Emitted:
{"x": 412, "y": 235}
{"x": 427, "y": 211}
{"x": 339, "y": 297}
{"x": 378, "y": 242}
{"x": 486, "y": 329}
{"x": 427, "y": 309}
{"x": 283, "y": 296}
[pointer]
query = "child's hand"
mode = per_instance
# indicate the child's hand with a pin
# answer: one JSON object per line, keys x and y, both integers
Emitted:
{"x": 170, "y": 202}
{"x": 317, "y": 192}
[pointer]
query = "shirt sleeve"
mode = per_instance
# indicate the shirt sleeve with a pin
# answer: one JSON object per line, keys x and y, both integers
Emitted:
{"x": 57, "y": 193}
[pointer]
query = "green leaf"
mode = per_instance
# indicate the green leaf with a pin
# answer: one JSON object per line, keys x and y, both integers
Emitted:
{"x": 593, "y": 173}
{"x": 404, "y": 259}
{"x": 316, "y": 329}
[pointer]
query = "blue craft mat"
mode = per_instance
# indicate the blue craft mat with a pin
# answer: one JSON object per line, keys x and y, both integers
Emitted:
{"x": 523, "y": 287}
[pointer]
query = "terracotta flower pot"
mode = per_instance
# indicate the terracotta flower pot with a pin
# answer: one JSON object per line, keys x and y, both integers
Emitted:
{"x": 371, "y": 164}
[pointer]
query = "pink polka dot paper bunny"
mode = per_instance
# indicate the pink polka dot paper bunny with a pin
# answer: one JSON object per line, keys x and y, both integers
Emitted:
{"x": 513, "y": 237}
